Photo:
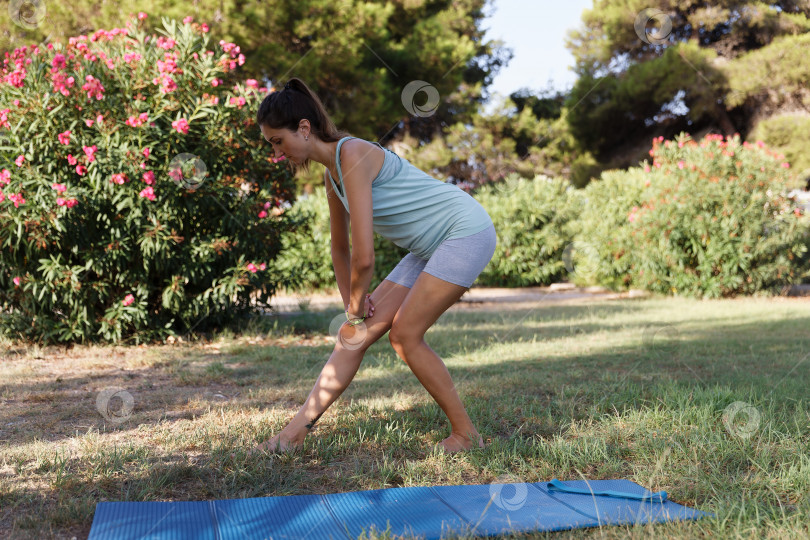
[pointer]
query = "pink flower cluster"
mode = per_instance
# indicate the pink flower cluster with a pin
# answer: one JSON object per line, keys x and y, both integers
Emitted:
{"x": 70, "y": 203}
{"x": 93, "y": 87}
{"x": 17, "y": 77}
{"x": 60, "y": 81}
{"x": 189, "y": 19}
{"x": 233, "y": 50}
{"x": 128, "y": 299}
{"x": 16, "y": 198}
{"x": 165, "y": 43}
{"x": 727, "y": 145}
{"x": 181, "y": 126}
{"x": 137, "y": 121}
{"x": 131, "y": 57}
{"x": 167, "y": 67}
{"x": 99, "y": 120}
{"x": 119, "y": 178}
{"x": 253, "y": 268}
{"x": 89, "y": 152}
{"x": 60, "y": 188}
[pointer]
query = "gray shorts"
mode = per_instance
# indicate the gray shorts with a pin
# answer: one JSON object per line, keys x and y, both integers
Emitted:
{"x": 457, "y": 260}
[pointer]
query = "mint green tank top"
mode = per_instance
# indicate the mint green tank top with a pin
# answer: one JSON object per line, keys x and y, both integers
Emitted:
{"x": 414, "y": 210}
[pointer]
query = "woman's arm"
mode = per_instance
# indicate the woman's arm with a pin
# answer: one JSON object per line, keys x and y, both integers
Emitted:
{"x": 339, "y": 229}
{"x": 342, "y": 264}
{"x": 360, "y": 163}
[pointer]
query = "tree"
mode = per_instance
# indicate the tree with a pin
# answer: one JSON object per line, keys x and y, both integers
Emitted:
{"x": 677, "y": 67}
{"x": 357, "y": 54}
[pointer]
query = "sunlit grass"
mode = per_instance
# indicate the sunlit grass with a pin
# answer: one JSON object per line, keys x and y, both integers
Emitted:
{"x": 632, "y": 389}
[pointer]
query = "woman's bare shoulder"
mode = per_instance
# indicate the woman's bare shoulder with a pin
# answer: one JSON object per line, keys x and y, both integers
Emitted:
{"x": 359, "y": 152}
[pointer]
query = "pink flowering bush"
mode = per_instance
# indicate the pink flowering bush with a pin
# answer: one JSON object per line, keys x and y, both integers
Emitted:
{"x": 703, "y": 219}
{"x": 137, "y": 196}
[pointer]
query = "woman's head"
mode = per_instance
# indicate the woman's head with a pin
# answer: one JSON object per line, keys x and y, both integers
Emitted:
{"x": 289, "y": 118}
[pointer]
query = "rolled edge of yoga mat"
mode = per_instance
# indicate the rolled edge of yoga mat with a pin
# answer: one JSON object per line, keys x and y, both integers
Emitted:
{"x": 556, "y": 485}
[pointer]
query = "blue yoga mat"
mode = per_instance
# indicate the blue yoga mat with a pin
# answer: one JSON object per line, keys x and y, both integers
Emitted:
{"x": 429, "y": 512}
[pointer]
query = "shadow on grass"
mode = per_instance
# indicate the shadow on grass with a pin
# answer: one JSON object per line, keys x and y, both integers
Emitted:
{"x": 583, "y": 379}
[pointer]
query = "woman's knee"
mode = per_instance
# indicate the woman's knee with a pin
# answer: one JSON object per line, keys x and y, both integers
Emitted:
{"x": 361, "y": 336}
{"x": 401, "y": 338}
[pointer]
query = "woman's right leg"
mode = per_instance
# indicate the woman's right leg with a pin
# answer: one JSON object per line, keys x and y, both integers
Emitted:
{"x": 340, "y": 369}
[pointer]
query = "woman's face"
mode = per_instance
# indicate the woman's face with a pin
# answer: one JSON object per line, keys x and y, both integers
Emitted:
{"x": 289, "y": 144}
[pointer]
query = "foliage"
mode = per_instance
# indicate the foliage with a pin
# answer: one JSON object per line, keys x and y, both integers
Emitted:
{"x": 704, "y": 220}
{"x": 107, "y": 231}
{"x": 721, "y": 66}
{"x": 771, "y": 78}
{"x": 788, "y": 133}
{"x": 358, "y": 55}
{"x": 509, "y": 139}
{"x": 534, "y": 221}
{"x": 728, "y": 27}
{"x": 617, "y": 107}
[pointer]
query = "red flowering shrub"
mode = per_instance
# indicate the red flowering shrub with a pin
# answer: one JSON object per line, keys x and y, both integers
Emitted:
{"x": 137, "y": 199}
{"x": 709, "y": 219}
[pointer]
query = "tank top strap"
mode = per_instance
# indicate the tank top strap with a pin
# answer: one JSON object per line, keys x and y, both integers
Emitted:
{"x": 337, "y": 160}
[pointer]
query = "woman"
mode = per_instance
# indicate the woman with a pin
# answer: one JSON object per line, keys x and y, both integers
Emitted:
{"x": 370, "y": 189}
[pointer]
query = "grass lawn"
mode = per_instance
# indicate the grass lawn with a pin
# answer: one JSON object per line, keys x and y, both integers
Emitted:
{"x": 632, "y": 388}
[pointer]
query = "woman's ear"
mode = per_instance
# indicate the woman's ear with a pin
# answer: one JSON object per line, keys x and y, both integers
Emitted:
{"x": 304, "y": 127}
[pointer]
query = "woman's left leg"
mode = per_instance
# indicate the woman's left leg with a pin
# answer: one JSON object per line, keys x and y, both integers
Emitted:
{"x": 429, "y": 297}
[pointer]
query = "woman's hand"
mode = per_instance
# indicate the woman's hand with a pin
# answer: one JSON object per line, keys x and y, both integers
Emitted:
{"x": 368, "y": 309}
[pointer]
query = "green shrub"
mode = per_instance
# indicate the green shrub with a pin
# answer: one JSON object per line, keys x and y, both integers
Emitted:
{"x": 107, "y": 231}
{"x": 534, "y": 221}
{"x": 601, "y": 235}
{"x": 704, "y": 220}
{"x": 790, "y": 134}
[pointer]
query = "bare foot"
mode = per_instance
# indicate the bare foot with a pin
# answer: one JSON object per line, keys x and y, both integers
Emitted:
{"x": 457, "y": 442}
